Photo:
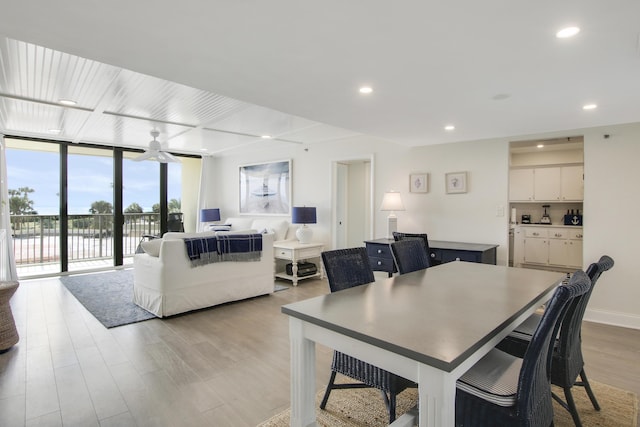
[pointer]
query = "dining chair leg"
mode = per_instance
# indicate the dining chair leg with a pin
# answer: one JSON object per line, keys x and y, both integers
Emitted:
{"x": 572, "y": 406}
{"x": 390, "y": 403}
{"x": 587, "y": 387}
{"x": 332, "y": 379}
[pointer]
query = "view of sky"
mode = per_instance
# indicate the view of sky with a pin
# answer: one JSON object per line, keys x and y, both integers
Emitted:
{"x": 90, "y": 179}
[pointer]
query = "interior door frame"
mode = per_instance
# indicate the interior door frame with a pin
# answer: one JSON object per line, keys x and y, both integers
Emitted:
{"x": 334, "y": 194}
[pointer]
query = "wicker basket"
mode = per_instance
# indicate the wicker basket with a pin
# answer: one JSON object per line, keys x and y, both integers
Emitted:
{"x": 8, "y": 331}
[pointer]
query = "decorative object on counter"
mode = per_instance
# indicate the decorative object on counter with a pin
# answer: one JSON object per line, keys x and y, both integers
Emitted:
{"x": 513, "y": 216}
{"x": 419, "y": 182}
{"x": 526, "y": 219}
{"x": 546, "y": 219}
{"x": 209, "y": 215}
{"x": 304, "y": 215}
{"x": 392, "y": 202}
{"x": 456, "y": 182}
{"x": 572, "y": 218}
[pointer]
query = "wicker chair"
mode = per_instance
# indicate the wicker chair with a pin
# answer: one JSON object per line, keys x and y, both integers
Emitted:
{"x": 347, "y": 268}
{"x": 8, "y": 332}
{"x": 397, "y": 236}
{"x": 409, "y": 255}
{"x": 568, "y": 362}
{"x": 504, "y": 390}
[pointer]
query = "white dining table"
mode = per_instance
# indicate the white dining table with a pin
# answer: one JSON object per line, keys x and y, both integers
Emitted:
{"x": 428, "y": 326}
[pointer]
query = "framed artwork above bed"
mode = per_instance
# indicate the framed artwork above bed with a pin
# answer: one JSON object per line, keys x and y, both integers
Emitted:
{"x": 265, "y": 188}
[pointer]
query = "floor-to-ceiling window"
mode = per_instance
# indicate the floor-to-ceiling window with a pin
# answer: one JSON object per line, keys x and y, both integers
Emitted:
{"x": 33, "y": 176}
{"x": 90, "y": 204}
{"x": 73, "y": 204}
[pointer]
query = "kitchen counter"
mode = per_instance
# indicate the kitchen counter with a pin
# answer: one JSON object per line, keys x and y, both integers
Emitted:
{"x": 547, "y": 225}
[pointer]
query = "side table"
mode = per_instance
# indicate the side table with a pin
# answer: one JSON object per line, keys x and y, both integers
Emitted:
{"x": 294, "y": 251}
{"x": 8, "y": 332}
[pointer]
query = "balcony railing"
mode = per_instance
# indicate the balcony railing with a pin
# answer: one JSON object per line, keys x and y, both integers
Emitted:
{"x": 36, "y": 238}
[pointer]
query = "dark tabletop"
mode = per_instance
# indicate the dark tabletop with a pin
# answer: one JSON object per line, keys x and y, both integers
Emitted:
{"x": 438, "y": 316}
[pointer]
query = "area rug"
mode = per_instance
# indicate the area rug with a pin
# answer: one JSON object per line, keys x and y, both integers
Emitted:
{"x": 108, "y": 296}
{"x": 365, "y": 408}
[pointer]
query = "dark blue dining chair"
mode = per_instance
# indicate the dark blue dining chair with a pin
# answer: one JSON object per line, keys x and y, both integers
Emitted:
{"x": 348, "y": 268}
{"x": 409, "y": 255}
{"x": 567, "y": 363}
{"x": 505, "y": 390}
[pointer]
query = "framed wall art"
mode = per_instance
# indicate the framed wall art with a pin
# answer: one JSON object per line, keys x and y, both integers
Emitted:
{"x": 265, "y": 188}
{"x": 456, "y": 182}
{"x": 419, "y": 182}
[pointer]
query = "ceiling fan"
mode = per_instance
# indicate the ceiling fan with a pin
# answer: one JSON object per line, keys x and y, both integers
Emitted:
{"x": 155, "y": 152}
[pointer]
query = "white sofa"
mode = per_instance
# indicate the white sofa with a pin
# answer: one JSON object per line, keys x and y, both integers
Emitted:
{"x": 280, "y": 227}
{"x": 168, "y": 284}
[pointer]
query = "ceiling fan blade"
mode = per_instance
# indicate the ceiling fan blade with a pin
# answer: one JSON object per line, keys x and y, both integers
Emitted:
{"x": 165, "y": 157}
{"x": 147, "y": 155}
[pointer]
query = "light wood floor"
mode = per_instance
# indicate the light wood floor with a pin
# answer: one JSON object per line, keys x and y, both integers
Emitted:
{"x": 226, "y": 366}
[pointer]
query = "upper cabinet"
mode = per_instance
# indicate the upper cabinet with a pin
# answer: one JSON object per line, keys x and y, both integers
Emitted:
{"x": 547, "y": 184}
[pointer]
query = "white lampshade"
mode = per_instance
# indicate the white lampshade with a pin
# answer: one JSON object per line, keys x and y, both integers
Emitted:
{"x": 392, "y": 202}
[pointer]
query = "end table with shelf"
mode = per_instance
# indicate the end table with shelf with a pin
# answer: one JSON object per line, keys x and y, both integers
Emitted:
{"x": 296, "y": 252}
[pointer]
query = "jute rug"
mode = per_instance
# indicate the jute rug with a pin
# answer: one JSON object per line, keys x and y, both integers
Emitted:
{"x": 108, "y": 296}
{"x": 365, "y": 408}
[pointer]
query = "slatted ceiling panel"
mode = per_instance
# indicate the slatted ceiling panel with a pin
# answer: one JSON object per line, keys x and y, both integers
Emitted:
{"x": 118, "y": 107}
{"x": 38, "y": 119}
{"x": 319, "y": 133}
{"x": 256, "y": 120}
{"x": 156, "y": 99}
{"x": 214, "y": 141}
{"x": 123, "y": 131}
{"x": 39, "y": 73}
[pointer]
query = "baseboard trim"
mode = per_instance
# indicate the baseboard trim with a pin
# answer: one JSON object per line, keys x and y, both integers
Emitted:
{"x": 613, "y": 318}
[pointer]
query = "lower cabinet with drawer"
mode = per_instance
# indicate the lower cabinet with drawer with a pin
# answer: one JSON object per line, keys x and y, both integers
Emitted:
{"x": 548, "y": 246}
{"x": 380, "y": 256}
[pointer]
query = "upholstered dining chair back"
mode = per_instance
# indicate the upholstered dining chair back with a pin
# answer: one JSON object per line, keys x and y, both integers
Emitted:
{"x": 409, "y": 255}
{"x": 346, "y": 268}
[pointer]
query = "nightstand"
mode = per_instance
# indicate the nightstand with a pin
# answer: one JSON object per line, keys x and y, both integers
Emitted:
{"x": 380, "y": 256}
{"x": 296, "y": 252}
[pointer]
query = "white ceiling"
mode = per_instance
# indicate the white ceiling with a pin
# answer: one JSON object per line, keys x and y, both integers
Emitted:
{"x": 292, "y": 69}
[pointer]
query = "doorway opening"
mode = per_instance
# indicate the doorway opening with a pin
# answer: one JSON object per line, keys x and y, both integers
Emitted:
{"x": 352, "y": 193}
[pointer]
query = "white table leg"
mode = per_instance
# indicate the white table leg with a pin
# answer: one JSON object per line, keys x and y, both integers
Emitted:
{"x": 303, "y": 376}
{"x": 294, "y": 268}
{"x": 437, "y": 398}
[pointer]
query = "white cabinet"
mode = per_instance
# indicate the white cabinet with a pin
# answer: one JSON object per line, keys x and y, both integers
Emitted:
{"x": 548, "y": 184}
{"x": 572, "y": 183}
{"x": 521, "y": 184}
{"x": 548, "y": 246}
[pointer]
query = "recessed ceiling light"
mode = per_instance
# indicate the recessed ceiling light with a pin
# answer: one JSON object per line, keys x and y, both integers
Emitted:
{"x": 67, "y": 102}
{"x": 449, "y": 127}
{"x": 589, "y": 107}
{"x": 567, "y": 32}
{"x": 366, "y": 89}
{"x": 204, "y": 149}
{"x": 55, "y": 130}
{"x": 266, "y": 137}
{"x": 540, "y": 145}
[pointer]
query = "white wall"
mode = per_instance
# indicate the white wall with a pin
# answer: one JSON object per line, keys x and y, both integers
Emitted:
{"x": 611, "y": 176}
